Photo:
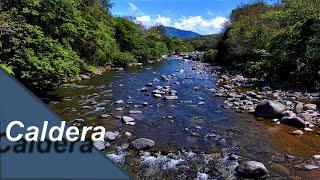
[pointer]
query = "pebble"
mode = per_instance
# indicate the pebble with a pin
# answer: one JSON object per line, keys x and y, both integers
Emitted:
{"x": 119, "y": 102}
{"x": 310, "y": 167}
{"x": 135, "y": 112}
{"x": 297, "y": 132}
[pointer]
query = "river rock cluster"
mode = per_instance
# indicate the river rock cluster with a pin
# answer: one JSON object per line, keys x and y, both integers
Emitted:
{"x": 297, "y": 109}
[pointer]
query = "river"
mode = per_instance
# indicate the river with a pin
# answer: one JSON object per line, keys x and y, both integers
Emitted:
{"x": 193, "y": 134}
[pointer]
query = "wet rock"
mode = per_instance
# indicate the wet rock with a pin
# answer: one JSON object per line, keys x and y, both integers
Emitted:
{"x": 157, "y": 95}
{"x": 135, "y": 112}
{"x": 119, "y": 102}
{"x": 251, "y": 170}
{"x": 149, "y": 84}
{"x": 310, "y": 167}
{"x": 142, "y": 144}
{"x": 297, "y": 132}
{"x": 308, "y": 129}
{"x": 103, "y": 116}
{"x": 128, "y": 120}
{"x": 269, "y": 109}
{"x": 170, "y": 97}
{"x": 251, "y": 94}
{"x": 201, "y": 103}
{"x": 305, "y": 116}
{"x": 227, "y": 87}
{"x": 310, "y": 107}
{"x": 111, "y": 135}
{"x": 119, "y": 109}
{"x": 84, "y": 77}
{"x": 117, "y": 158}
{"x": 202, "y": 176}
{"x": 316, "y": 157}
{"x": 143, "y": 89}
{"x": 128, "y": 134}
{"x": 294, "y": 121}
{"x": 86, "y": 107}
{"x": 99, "y": 144}
{"x": 145, "y": 103}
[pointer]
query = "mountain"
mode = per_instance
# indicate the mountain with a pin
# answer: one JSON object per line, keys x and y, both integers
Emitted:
{"x": 182, "y": 34}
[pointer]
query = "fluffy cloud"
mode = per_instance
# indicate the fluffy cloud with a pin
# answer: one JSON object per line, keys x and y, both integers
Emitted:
{"x": 193, "y": 23}
{"x": 200, "y": 25}
{"x": 144, "y": 20}
{"x": 163, "y": 20}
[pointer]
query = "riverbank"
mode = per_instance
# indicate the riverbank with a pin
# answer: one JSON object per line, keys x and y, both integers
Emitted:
{"x": 186, "y": 132}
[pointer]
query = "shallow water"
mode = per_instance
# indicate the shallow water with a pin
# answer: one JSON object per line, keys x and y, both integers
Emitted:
{"x": 207, "y": 128}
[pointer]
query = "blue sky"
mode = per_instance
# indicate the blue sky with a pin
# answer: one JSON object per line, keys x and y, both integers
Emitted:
{"x": 201, "y": 16}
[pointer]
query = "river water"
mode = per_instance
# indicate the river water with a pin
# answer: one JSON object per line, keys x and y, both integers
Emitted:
{"x": 191, "y": 138}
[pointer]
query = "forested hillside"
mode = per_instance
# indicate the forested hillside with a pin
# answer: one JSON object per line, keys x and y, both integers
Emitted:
{"x": 45, "y": 42}
{"x": 279, "y": 43}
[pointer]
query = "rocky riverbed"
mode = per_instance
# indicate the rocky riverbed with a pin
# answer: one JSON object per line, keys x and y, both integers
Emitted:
{"x": 188, "y": 120}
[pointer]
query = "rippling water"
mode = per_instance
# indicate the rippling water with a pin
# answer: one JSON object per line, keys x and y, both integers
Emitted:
{"x": 184, "y": 123}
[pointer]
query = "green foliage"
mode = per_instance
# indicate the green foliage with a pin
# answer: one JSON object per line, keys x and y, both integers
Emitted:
{"x": 279, "y": 43}
{"x": 7, "y": 68}
{"x": 210, "y": 55}
{"x": 122, "y": 59}
{"x": 204, "y": 43}
{"x": 45, "y": 42}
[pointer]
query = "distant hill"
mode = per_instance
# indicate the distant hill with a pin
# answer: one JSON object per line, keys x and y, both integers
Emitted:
{"x": 182, "y": 34}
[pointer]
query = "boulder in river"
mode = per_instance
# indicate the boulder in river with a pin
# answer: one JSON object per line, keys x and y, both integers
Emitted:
{"x": 310, "y": 107}
{"x": 294, "y": 121}
{"x": 298, "y": 108}
{"x": 142, "y": 144}
{"x": 251, "y": 170}
{"x": 269, "y": 109}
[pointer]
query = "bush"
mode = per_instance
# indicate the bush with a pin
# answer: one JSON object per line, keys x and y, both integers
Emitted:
{"x": 210, "y": 55}
{"x": 122, "y": 59}
{"x": 42, "y": 63}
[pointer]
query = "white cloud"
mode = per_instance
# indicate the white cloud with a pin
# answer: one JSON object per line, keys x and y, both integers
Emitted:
{"x": 201, "y": 25}
{"x": 193, "y": 23}
{"x": 133, "y": 7}
{"x": 163, "y": 20}
{"x": 144, "y": 20}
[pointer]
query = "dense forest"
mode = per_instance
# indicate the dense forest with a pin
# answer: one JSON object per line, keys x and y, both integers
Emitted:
{"x": 278, "y": 43}
{"x": 46, "y": 42}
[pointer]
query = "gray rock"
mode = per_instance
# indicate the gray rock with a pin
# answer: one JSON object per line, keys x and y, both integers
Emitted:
{"x": 269, "y": 109}
{"x": 294, "y": 121}
{"x": 142, "y": 144}
{"x": 157, "y": 95}
{"x": 84, "y": 77}
{"x": 103, "y": 116}
{"x": 111, "y": 135}
{"x": 119, "y": 102}
{"x": 311, "y": 167}
{"x": 251, "y": 170}
{"x": 127, "y": 119}
{"x": 170, "y": 97}
{"x": 99, "y": 144}
{"x": 305, "y": 116}
{"x": 143, "y": 89}
{"x": 310, "y": 107}
{"x": 135, "y": 112}
{"x": 297, "y": 132}
{"x": 251, "y": 94}
{"x": 298, "y": 108}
